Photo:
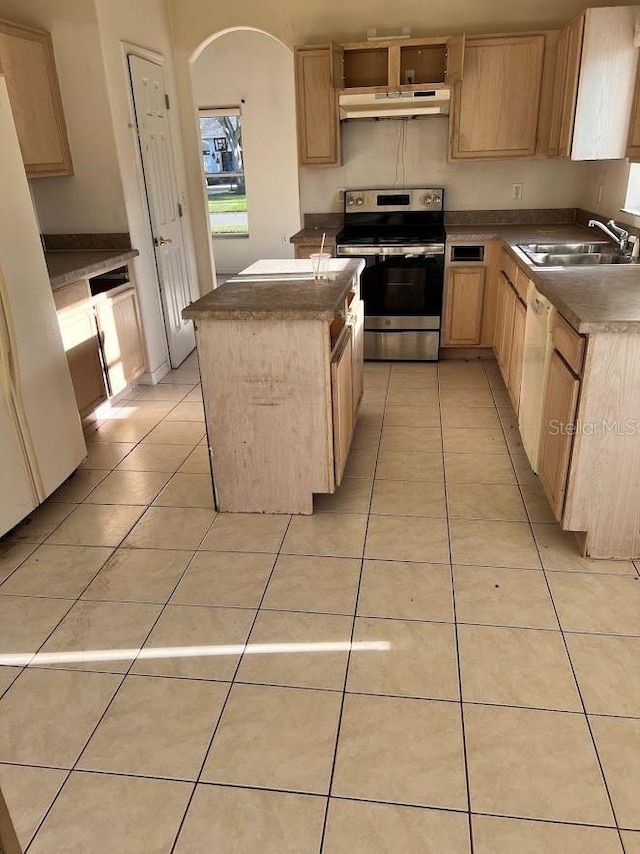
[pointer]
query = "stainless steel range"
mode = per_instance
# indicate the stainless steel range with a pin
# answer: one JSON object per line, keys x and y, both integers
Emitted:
{"x": 400, "y": 234}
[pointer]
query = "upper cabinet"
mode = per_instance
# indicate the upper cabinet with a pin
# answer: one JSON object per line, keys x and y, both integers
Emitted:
{"x": 27, "y": 62}
{"x": 633, "y": 140}
{"x": 323, "y": 71}
{"x": 317, "y": 104}
{"x": 594, "y": 85}
{"x": 402, "y": 64}
{"x": 495, "y": 107}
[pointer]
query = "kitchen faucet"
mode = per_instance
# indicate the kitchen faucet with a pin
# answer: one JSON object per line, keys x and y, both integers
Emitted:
{"x": 615, "y": 232}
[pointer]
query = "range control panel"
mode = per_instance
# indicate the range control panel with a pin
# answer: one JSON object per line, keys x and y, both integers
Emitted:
{"x": 415, "y": 199}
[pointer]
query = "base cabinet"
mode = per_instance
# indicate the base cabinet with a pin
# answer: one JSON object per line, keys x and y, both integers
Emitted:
{"x": 464, "y": 306}
{"x": 82, "y": 346}
{"x": 103, "y": 340}
{"x": 121, "y": 336}
{"x": 561, "y": 401}
{"x": 342, "y": 398}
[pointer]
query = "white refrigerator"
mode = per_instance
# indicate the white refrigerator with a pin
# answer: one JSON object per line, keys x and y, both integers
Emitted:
{"x": 41, "y": 441}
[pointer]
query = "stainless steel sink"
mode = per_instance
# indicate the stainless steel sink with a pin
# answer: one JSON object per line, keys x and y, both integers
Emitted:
{"x": 573, "y": 254}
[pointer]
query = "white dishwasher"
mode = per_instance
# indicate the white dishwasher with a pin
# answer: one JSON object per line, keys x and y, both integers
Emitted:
{"x": 535, "y": 368}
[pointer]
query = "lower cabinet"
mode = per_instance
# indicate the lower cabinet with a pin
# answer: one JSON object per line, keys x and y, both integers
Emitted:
{"x": 464, "y": 306}
{"x": 103, "y": 339}
{"x": 342, "y": 399}
{"x": 121, "y": 335}
{"x": 511, "y": 315}
{"x": 82, "y": 345}
{"x": 356, "y": 321}
{"x": 561, "y": 401}
{"x": 517, "y": 352}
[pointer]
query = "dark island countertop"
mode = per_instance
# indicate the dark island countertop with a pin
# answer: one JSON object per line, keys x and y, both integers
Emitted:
{"x": 66, "y": 267}
{"x": 278, "y": 290}
{"x": 603, "y": 298}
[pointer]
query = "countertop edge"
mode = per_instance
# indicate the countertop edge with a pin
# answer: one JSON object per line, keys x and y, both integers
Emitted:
{"x": 61, "y": 279}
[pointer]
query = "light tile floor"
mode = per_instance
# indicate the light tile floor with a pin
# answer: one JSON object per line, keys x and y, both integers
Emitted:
{"x": 425, "y": 665}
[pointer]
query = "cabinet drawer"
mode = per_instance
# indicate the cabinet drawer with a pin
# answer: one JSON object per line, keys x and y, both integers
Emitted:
{"x": 508, "y": 266}
{"x": 70, "y": 295}
{"x": 568, "y": 343}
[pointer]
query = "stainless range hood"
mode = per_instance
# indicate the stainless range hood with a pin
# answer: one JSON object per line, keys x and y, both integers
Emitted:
{"x": 394, "y": 105}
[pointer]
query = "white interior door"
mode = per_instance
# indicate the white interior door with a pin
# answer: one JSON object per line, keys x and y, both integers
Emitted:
{"x": 158, "y": 166}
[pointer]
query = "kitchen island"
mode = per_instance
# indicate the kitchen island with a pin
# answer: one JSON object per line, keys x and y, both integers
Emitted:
{"x": 281, "y": 361}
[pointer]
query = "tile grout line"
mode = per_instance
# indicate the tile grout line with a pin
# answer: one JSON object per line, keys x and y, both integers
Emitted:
{"x": 570, "y": 661}
{"x": 353, "y": 630}
{"x": 456, "y": 635}
{"x": 198, "y": 781}
{"x": 117, "y": 691}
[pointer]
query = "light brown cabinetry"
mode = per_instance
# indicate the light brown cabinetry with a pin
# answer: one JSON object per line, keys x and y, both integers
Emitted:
{"x": 407, "y": 65}
{"x": 517, "y": 352}
{"x": 495, "y": 107}
{"x": 27, "y": 62}
{"x": 342, "y": 398}
{"x": 594, "y": 85}
{"x": 103, "y": 340}
{"x": 82, "y": 346}
{"x": 465, "y": 296}
{"x": 561, "y": 400}
{"x": 121, "y": 335}
{"x": 356, "y": 321}
{"x": 511, "y": 314}
{"x": 317, "y": 105}
{"x": 633, "y": 139}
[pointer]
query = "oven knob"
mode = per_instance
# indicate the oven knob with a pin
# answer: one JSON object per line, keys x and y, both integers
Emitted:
{"x": 359, "y": 201}
{"x": 428, "y": 200}
{"x": 350, "y": 201}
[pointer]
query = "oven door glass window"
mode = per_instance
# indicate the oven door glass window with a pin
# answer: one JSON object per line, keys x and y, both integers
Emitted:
{"x": 403, "y": 286}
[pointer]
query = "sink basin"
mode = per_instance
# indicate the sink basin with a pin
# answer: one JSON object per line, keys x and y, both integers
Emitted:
{"x": 566, "y": 248}
{"x": 573, "y": 254}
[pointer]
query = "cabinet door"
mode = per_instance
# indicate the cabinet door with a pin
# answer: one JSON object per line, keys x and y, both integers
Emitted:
{"x": 510, "y": 300}
{"x": 560, "y": 404}
{"x": 495, "y": 110}
{"x": 80, "y": 339}
{"x": 121, "y": 331}
{"x": 317, "y": 105}
{"x": 568, "y": 94}
{"x": 517, "y": 351}
{"x": 342, "y": 399}
{"x": 501, "y": 285}
{"x": 27, "y": 61}
{"x": 455, "y": 59}
{"x": 633, "y": 140}
{"x": 463, "y": 306}
{"x": 356, "y": 322}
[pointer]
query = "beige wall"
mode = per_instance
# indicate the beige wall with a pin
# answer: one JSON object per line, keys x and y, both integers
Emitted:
{"x": 224, "y": 75}
{"x": 143, "y": 24}
{"x": 92, "y": 199}
{"x": 371, "y": 150}
{"x": 613, "y": 176}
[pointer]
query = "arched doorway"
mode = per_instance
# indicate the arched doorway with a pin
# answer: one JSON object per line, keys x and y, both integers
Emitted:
{"x": 243, "y": 86}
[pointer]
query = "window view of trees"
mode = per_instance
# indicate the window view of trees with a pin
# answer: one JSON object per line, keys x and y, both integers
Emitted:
{"x": 221, "y": 135}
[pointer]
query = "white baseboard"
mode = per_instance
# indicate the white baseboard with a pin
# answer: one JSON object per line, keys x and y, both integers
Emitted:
{"x": 153, "y": 377}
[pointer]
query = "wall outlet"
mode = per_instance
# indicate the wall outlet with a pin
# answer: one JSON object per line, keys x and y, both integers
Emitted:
{"x": 517, "y": 191}
{"x": 284, "y": 239}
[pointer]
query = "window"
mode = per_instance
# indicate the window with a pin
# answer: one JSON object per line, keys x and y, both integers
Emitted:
{"x": 221, "y": 135}
{"x": 632, "y": 199}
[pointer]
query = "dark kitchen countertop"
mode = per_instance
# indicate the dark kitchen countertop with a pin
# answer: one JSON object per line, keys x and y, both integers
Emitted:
{"x": 315, "y": 233}
{"x": 66, "y": 267}
{"x": 278, "y": 290}
{"x": 592, "y": 299}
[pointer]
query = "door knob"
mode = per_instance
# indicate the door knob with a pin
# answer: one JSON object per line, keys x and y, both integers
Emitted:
{"x": 161, "y": 241}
